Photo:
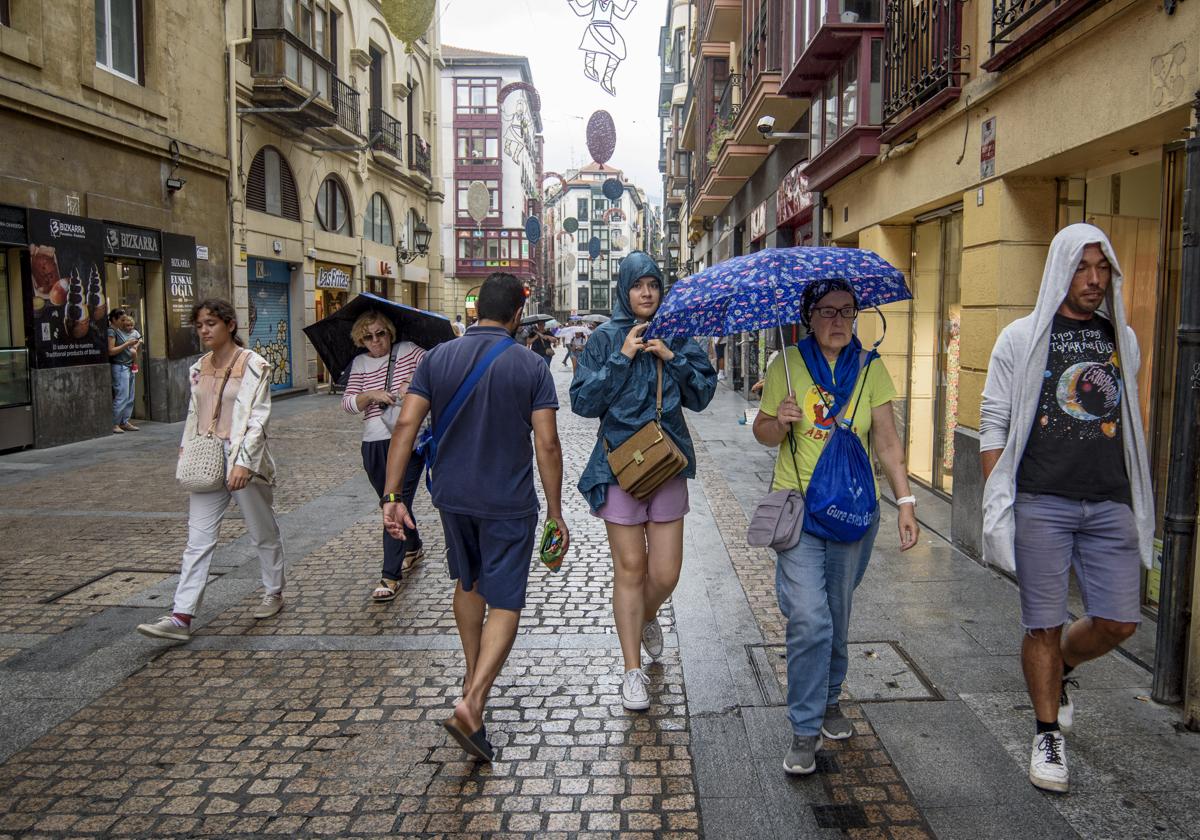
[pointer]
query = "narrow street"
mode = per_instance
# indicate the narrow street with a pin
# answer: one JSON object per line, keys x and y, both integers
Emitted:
{"x": 325, "y": 719}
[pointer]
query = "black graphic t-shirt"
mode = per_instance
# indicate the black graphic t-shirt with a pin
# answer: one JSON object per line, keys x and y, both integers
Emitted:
{"x": 1075, "y": 448}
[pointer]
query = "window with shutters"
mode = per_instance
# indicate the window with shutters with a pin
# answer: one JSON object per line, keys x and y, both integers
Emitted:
{"x": 377, "y": 224}
{"x": 270, "y": 188}
{"x": 333, "y": 208}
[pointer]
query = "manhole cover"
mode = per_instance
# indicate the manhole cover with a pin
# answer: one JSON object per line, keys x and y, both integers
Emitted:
{"x": 879, "y": 672}
{"x": 114, "y": 589}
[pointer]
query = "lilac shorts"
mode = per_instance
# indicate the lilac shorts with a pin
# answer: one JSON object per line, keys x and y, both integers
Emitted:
{"x": 666, "y": 504}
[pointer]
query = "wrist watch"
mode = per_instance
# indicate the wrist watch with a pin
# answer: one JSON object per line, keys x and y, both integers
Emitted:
{"x": 389, "y": 498}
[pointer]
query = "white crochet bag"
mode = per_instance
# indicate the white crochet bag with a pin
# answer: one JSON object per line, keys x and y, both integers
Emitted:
{"x": 201, "y": 467}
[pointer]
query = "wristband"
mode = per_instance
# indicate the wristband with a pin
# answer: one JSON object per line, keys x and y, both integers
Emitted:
{"x": 389, "y": 498}
{"x": 907, "y": 500}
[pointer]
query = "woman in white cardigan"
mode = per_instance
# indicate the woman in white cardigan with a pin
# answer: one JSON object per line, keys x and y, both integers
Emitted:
{"x": 231, "y": 393}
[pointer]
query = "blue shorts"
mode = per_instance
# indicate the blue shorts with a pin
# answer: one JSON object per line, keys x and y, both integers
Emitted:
{"x": 491, "y": 556}
{"x": 1098, "y": 539}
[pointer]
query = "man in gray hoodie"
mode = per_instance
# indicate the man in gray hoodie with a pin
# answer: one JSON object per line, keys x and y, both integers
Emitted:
{"x": 1067, "y": 477}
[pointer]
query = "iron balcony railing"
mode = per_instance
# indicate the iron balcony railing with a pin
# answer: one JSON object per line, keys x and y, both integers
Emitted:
{"x": 922, "y": 52}
{"x": 730, "y": 104}
{"x": 1010, "y": 16}
{"x": 345, "y": 103}
{"x": 420, "y": 157}
{"x": 387, "y": 135}
{"x": 763, "y": 29}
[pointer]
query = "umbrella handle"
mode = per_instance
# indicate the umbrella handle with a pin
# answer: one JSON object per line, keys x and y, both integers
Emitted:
{"x": 883, "y": 334}
{"x": 787, "y": 370}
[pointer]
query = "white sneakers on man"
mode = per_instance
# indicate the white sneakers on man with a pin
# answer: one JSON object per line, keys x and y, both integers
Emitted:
{"x": 1048, "y": 764}
{"x": 635, "y": 694}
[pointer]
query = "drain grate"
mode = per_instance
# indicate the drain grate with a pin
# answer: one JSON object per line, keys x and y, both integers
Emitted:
{"x": 840, "y": 816}
{"x": 879, "y": 672}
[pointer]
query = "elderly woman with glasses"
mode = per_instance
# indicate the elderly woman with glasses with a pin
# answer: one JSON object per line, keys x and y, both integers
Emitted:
{"x": 816, "y": 578}
{"x": 378, "y": 382}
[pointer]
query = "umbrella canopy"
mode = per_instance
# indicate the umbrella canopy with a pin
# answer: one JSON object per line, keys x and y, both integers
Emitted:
{"x": 331, "y": 335}
{"x": 762, "y": 290}
{"x": 536, "y": 319}
{"x": 595, "y": 319}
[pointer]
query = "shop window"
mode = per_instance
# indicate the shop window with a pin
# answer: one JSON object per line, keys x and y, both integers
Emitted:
{"x": 270, "y": 187}
{"x": 333, "y": 208}
{"x": 118, "y": 37}
{"x": 377, "y": 223}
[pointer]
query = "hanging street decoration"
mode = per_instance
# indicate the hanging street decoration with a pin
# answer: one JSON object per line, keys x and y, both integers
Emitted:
{"x": 601, "y": 137}
{"x": 533, "y": 230}
{"x": 570, "y": 224}
{"x": 594, "y": 247}
{"x": 531, "y": 94}
{"x": 603, "y": 45}
{"x": 570, "y": 263}
{"x": 618, "y": 240}
{"x": 409, "y": 20}
{"x": 613, "y": 189}
{"x": 547, "y": 176}
{"x": 516, "y": 143}
{"x": 479, "y": 201}
{"x": 614, "y": 214}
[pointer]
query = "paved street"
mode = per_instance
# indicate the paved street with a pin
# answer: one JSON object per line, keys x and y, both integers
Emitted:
{"x": 324, "y": 720}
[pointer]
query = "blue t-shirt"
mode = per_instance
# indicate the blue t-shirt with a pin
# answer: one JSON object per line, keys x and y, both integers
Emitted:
{"x": 485, "y": 457}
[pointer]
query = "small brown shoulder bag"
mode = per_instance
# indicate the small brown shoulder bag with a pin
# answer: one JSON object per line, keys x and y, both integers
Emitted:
{"x": 649, "y": 459}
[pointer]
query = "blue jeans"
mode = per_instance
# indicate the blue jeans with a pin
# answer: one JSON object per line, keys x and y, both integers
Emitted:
{"x": 122, "y": 384}
{"x": 815, "y": 582}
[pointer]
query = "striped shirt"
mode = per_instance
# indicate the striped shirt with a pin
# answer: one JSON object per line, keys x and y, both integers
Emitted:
{"x": 370, "y": 374}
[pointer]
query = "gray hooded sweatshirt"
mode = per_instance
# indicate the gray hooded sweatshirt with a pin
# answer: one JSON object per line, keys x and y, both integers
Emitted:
{"x": 1014, "y": 383}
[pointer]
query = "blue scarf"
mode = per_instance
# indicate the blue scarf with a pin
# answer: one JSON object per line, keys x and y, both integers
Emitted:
{"x": 841, "y": 380}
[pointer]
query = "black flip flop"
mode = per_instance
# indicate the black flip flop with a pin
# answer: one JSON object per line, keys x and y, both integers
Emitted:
{"x": 475, "y": 743}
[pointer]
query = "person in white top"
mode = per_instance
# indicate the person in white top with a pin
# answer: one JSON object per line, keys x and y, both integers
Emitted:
{"x": 458, "y": 326}
{"x": 376, "y": 394}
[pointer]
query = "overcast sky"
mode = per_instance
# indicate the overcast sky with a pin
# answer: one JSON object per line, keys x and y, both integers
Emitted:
{"x": 548, "y": 33}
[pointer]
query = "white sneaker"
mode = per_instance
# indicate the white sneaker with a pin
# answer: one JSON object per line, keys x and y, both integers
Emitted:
{"x": 270, "y": 604}
{"x": 652, "y": 639}
{"x": 720, "y": 376}
{"x": 165, "y": 628}
{"x": 634, "y": 694}
{"x": 1066, "y": 706}
{"x": 1048, "y": 764}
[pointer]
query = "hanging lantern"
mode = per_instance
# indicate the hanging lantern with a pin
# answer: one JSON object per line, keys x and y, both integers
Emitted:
{"x": 533, "y": 230}
{"x": 594, "y": 247}
{"x": 479, "y": 201}
{"x": 571, "y": 224}
{"x": 613, "y": 189}
{"x": 601, "y": 137}
{"x": 409, "y": 20}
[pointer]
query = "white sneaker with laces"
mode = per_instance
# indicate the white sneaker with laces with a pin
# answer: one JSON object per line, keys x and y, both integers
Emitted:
{"x": 1066, "y": 706}
{"x": 652, "y": 639}
{"x": 634, "y": 694}
{"x": 165, "y": 628}
{"x": 1048, "y": 763}
{"x": 270, "y": 604}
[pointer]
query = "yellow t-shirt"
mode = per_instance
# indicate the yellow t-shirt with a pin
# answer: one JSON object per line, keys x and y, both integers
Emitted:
{"x": 814, "y": 430}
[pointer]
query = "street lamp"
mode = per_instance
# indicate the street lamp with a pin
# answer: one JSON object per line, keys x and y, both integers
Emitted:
{"x": 422, "y": 233}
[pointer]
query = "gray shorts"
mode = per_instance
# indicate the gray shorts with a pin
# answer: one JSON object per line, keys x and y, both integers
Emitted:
{"x": 1099, "y": 539}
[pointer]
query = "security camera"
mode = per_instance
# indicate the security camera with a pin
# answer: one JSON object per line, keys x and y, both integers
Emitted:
{"x": 766, "y": 125}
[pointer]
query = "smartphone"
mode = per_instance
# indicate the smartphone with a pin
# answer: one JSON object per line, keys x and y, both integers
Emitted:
{"x": 552, "y": 547}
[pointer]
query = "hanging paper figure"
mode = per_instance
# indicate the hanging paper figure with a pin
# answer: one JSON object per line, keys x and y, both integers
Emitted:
{"x": 603, "y": 46}
{"x": 514, "y": 137}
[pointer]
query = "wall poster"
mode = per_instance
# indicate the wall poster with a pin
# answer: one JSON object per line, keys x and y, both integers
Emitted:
{"x": 69, "y": 313}
{"x": 179, "y": 272}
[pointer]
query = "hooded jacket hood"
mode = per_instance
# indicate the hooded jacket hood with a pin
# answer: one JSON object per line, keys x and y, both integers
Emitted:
{"x": 634, "y": 267}
{"x": 1014, "y": 383}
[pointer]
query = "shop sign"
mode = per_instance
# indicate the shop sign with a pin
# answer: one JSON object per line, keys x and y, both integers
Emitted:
{"x": 793, "y": 200}
{"x": 987, "y": 149}
{"x": 334, "y": 277}
{"x": 12, "y": 225}
{"x": 179, "y": 273}
{"x": 202, "y": 252}
{"x": 758, "y": 222}
{"x": 69, "y": 313}
{"x": 134, "y": 243}
{"x": 377, "y": 268}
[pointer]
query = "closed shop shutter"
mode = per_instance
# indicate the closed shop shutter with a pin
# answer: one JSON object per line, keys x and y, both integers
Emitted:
{"x": 269, "y": 285}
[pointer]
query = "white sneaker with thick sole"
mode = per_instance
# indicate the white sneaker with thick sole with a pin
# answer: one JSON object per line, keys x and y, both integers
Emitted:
{"x": 165, "y": 628}
{"x": 269, "y": 605}
{"x": 1066, "y": 706}
{"x": 1048, "y": 763}
{"x": 652, "y": 639}
{"x": 635, "y": 695}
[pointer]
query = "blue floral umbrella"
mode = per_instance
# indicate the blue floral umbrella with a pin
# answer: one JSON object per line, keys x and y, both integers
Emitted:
{"x": 762, "y": 290}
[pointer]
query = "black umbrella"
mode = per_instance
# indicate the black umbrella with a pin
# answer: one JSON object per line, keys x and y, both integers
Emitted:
{"x": 535, "y": 319}
{"x": 331, "y": 335}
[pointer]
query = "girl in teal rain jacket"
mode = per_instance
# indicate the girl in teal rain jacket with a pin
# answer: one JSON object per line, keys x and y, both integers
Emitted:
{"x": 617, "y": 381}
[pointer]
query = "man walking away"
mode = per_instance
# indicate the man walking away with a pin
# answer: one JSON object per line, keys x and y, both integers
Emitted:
{"x": 1067, "y": 478}
{"x": 459, "y": 328}
{"x": 483, "y": 483}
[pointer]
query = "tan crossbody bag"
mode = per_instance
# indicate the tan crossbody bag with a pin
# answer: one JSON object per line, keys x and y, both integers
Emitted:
{"x": 649, "y": 459}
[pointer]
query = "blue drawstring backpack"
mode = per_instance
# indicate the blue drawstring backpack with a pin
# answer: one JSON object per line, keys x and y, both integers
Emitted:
{"x": 840, "y": 503}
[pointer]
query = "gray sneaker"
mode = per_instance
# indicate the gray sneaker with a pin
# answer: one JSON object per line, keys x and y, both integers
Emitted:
{"x": 165, "y": 628}
{"x": 802, "y": 757}
{"x": 269, "y": 605}
{"x": 652, "y": 639}
{"x": 836, "y": 726}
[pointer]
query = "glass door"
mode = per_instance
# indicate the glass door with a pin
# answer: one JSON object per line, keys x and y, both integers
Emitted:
{"x": 125, "y": 285}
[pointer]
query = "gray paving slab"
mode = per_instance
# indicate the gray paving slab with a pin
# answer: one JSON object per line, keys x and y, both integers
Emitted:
{"x": 1118, "y": 816}
{"x": 736, "y": 818}
{"x": 997, "y": 822}
{"x": 1183, "y": 807}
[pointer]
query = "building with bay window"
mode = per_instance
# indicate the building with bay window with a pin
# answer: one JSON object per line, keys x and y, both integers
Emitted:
{"x": 492, "y": 134}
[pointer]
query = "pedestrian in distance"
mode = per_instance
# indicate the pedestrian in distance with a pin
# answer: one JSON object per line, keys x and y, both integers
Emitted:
{"x": 816, "y": 578}
{"x": 617, "y": 381}
{"x": 577, "y": 343}
{"x": 484, "y": 398}
{"x": 122, "y": 353}
{"x": 542, "y": 343}
{"x": 1067, "y": 478}
{"x": 231, "y": 394}
{"x": 458, "y": 326}
{"x": 378, "y": 381}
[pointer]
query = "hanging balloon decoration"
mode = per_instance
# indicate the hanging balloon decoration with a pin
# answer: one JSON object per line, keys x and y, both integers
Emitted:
{"x": 533, "y": 230}
{"x": 570, "y": 263}
{"x": 479, "y": 201}
{"x": 613, "y": 189}
{"x": 409, "y": 20}
{"x": 601, "y": 137}
{"x": 594, "y": 247}
{"x": 570, "y": 224}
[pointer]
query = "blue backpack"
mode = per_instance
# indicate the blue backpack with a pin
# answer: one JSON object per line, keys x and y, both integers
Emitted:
{"x": 840, "y": 504}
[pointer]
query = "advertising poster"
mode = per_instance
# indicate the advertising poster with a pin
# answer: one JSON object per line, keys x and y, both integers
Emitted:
{"x": 69, "y": 313}
{"x": 179, "y": 273}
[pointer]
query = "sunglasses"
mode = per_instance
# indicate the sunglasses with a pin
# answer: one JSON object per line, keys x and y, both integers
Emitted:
{"x": 375, "y": 336}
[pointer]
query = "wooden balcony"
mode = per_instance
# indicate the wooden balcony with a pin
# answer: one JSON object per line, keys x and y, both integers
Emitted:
{"x": 293, "y": 83}
{"x": 721, "y": 20}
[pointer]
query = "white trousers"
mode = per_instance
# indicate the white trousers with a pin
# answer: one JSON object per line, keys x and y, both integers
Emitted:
{"x": 205, "y": 512}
